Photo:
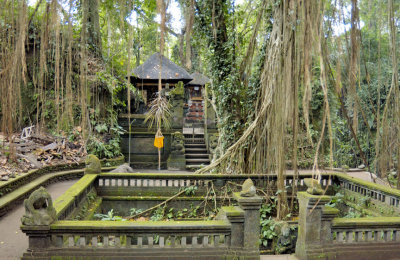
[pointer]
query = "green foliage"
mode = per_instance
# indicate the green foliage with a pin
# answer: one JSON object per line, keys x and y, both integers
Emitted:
{"x": 178, "y": 90}
{"x": 165, "y": 213}
{"x": 352, "y": 213}
{"x": 222, "y": 64}
{"x": 102, "y": 149}
{"x": 109, "y": 216}
{"x": 158, "y": 214}
{"x": 190, "y": 190}
{"x": 268, "y": 231}
{"x": 181, "y": 213}
{"x": 101, "y": 128}
{"x": 335, "y": 200}
{"x": 192, "y": 213}
{"x": 106, "y": 142}
{"x": 134, "y": 211}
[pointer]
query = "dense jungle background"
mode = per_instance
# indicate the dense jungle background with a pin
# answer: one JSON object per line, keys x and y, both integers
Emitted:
{"x": 295, "y": 84}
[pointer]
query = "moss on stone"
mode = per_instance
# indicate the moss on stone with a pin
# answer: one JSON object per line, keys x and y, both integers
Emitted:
{"x": 154, "y": 197}
{"x": 319, "y": 197}
{"x": 95, "y": 225}
{"x": 69, "y": 196}
{"x": 370, "y": 185}
{"x": 233, "y": 211}
{"x": 330, "y": 210}
{"x": 375, "y": 222}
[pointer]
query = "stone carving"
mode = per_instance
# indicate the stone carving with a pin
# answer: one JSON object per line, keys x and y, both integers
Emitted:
{"x": 287, "y": 237}
{"x": 176, "y": 159}
{"x": 214, "y": 149}
{"x": 93, "y": 165}
{"x": 248, "y": 189}
{"x": 178, "y": 144}
{"x": 314, "y": 187}
{"x": 124, "y": 168}
{"x": 39, "y": 210}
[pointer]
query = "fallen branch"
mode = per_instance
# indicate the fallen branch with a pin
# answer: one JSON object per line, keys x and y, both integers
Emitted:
{"x": 159, "y": 205}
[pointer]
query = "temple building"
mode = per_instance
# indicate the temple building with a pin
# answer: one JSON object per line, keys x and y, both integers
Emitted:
{"x": 187, "y": 143}
{"x": 146, "y": 76}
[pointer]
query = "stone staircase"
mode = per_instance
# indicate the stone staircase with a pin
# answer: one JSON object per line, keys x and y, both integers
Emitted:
{"x": 196, "y": 152}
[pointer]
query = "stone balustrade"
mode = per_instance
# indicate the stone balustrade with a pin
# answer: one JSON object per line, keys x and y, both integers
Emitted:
{"x": 385, "y": 195}
{"x": 323, "y": 236}
{"x": 234, "y": 234}
{"x": 109, "y": 184}
{"x": 140, "y": 235}
{"x": 362, "y": 230}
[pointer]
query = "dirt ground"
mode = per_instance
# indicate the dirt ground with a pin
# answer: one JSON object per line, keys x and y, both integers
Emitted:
{"x": 13, "y": 242}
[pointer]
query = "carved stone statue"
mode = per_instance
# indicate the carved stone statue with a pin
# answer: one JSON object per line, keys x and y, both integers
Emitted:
{"x": 176, "y": 159}
{"x": 314, "y": 187}
{"x": 93, "y": 165}
{"x": 39, "y": 210}
{"x": 178, "y": 144}
{"x": 214, "y": 149}
{"x": 248, "y": 189}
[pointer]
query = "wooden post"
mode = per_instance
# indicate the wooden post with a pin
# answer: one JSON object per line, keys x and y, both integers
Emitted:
{"x": 159, "y": 159}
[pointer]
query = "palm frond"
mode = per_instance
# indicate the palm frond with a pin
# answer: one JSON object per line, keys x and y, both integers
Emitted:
{"x": 159, "y": 114}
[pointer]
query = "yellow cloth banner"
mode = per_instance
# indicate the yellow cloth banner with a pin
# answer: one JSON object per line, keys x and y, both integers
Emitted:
{"x": 159, "y": 141}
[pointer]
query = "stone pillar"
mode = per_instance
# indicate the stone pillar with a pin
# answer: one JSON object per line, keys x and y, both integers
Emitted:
{"x": 315, "y": 222}
{"x": 251, "y": 231}
{"x": 39, "y": 237}
{"x": 235, "y": 216}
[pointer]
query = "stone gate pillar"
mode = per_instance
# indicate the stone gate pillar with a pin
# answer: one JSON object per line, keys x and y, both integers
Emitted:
{"x": 315, "y": 222}
{"x": 251, "y": 230}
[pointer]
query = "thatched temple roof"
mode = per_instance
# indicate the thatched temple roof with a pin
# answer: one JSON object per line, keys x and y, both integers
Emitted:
{"x": 198, "y": 79}
{"x": 150, "y": 70}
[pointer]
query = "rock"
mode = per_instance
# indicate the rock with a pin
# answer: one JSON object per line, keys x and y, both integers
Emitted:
{"x": 52, "y": 146}
{"x": 3, "y": 160}
{"x": 124, "y": 168}
{"x": 4, "y": 178}
{"x": 32, "y": 159}
{"x": 314, "y": 187}
{"x": 93, "y": 165}
{"x": 39, "y": 210}
{"x": 361, "y": 166}
{"x": 248, "y": 189}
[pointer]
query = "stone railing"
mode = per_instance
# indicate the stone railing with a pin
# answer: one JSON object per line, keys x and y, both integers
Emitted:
{"x": 140, "y": 235}
{"x": 370, "y": 230}
{"x": 109, "y": 184}
{"x": 382, "y": 195}
{"x": 69, "y": 202}
{"x": 234, "y": 234}
{"x": 322, "y": 236}
{"x": 32, "y": 175}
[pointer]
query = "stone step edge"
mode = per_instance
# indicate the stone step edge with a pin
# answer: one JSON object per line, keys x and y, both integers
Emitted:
{"x": 12, "y": 199}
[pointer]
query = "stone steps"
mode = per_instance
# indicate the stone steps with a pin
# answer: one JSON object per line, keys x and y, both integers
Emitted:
{"x": 197, "y": 161}
{"x": 197, "y": 155}
{"x": 196, "y": 145}
{"x": 195, "y": 150}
